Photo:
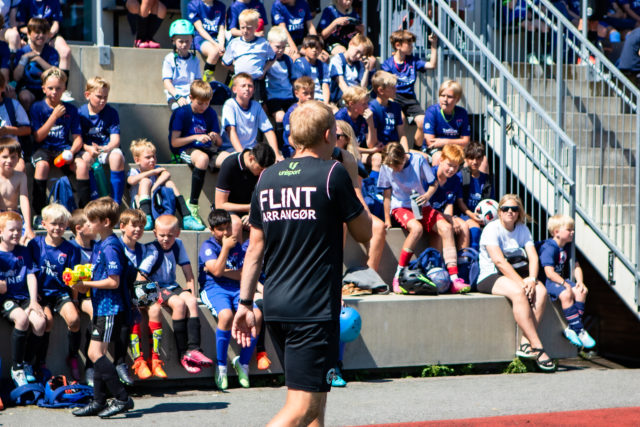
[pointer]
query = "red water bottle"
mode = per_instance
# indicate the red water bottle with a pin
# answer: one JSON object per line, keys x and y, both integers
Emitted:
{"x": 63, "y": 158}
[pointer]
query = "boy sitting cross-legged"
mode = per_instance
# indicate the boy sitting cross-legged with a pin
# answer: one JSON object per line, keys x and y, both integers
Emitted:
{"x": 220, "y": 265}
{"x": 161, "y": 259}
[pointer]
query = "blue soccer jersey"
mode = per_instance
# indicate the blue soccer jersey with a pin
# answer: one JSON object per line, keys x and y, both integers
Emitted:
{"x": 210, "y": 250}
{"x": 160, "y": 265}
{"x": 98, "y": 128}
{"x": 446, "y": 194}
{"x": 211, "y": 17}
{"x": 248, "y": 56}
{"x": 32, "y": 71}
{"x": 319, "y": 73}
{"x": 386, "y": 119}
{"x": 108, "y": 259}
{"x": 359, "y": 125}
{"x": 476, "y": 190}
{"x": 286, "y": 124}
{"x": 61, "y": 133}
{"x": 405, "y": 72}
{"x": 5, "y": 55}
{"x": 188, "y": 123}
{"x": 45, "y": 9}
{"x": 134, "y": 258}
{"x": 52, "y": 262}
{"x": 294, "y": 17}
{"x": 351, "y": 73}
{"x": 279, "y": 77}
{"x": 342, "y": 34}
{"x": 453, "y": 127}
{"x": 552, "y": 255}
{"x": 237, "y": 7}
{"x": 14, "y": 267}
{"x": 85, "y": 253}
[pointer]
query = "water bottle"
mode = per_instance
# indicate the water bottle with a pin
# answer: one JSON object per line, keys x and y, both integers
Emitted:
{"x": 101, "y": 179}
{"x": 63, "y": 158}
{"x": 417, "y": 210}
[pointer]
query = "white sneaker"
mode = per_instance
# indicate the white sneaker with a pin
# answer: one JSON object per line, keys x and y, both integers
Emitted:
{"x": 587, "y": 340}
{"x": 19, "y": 377}
{"x": 67, "y": 97}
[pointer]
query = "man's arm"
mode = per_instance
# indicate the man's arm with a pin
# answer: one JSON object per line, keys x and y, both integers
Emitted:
{"x": 222, "y": 202}
{"x": 360, "y": 227}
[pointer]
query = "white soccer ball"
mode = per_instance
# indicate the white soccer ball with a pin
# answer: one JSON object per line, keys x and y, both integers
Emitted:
{"x": 487, "y": 209}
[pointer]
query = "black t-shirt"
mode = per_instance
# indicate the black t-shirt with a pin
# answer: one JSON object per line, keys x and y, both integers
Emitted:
{"x": 629, "y": 59}
{"x": 301, "y": 204}
{"x": 236, "y": 179}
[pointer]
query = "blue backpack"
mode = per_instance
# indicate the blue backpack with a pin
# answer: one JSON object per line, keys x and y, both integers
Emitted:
{"x": 469, "y": 265}
{"x": 57, "y": 394}
{"x": 428, "y": 259}
{"x": 62, "y": 193}
{"x": 163, "y": 202}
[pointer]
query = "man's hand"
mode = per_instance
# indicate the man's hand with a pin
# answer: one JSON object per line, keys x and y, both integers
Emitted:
{"x": 244, "y": 326}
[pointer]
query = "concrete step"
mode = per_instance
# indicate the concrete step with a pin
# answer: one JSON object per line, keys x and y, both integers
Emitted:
{"x": 606, "y": 174}
{"x": 541, "y": 86}
{"x": 609, "y": 121}
{"x": 591, "y": 105}
{"x": 620, "y": 157}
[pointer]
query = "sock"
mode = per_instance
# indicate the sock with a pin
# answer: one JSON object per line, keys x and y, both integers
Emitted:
{"x": 154, "y": 26}
{"x": 573, "y": 317}
{"x": 180, "y": 334}
{"x": 197, "y": 182}
{"x": 134, "y": 341}
{"x": 260, "y": 348}
{"x": 580, "y": 306}
{"x": 247, "y": 352}
{"x": 121, "y": 345}
{"x": 39, "y": 195}
{"x": 99, "y": 394}
{"x": 453, "y": 271}
{"x": 280, "y": 134}
{"x": 222, "y": 346}
{"x": 42, "y": 349}
{"x": 133, "y": 22}
{"x": 182, "y": 206}
{"x": 405, "y": 256}
{"x": 85, "y": 349}
{"x": 145, "y": 205}
{"x": 210, "y": 67}
{"x": 73, "y": 343}
{"x": 193, "y": 333}
{"x": 142, "y": 32}
{"x": 451, "y": 261}
{"x": 156, "y": 338}
{"x": 18, "y": 347}
{"x": 110, "y": 378}
{"x": 84, "y": 192}
{"x": 117, "y": 185}
{"x": 475, "y": 233}
{"x": 341, "y": 346}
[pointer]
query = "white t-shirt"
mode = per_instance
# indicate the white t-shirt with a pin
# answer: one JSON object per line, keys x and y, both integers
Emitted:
{"x": 21, "y": 116}
{"x": 247, "y": 122}
{"x": 494, "y": 234}
{"x": 416, "y": 175}
{"x": 181, "y": 71}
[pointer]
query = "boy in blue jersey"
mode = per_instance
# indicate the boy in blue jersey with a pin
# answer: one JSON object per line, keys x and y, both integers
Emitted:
{"x": 303, "y": 90}
{"x": 405, "y": 66}
{"x": 160, "y": 262}
{"x": 338, "y": 24}
{"x": 310, "y": 65}
{"x": 53, "y": 254}
{"x": 109, "y": 297}
{"x": 236, "y": 9}
{"x": 250, "y": 53}
{"x": 351, "y": 68}
{"x": 278, "y": 81}
{"x": 194, "y": 136}
{"x": 219, "y": 269}
{"x": 32, "y": 60}
{"x": 56, "y": 126}
{"x": 554, "y": 254}
{"x": 357, "y": 113}
{"x": 476, "y": 186}
{"x": 19, "y": 295}
{"x": 294, "y": 17}
{"x": 100, "y": 126}
{"x": 242, "y": 117}
{"x": 207, "y": 17}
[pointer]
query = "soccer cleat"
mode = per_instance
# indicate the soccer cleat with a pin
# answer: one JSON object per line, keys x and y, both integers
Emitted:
{"x": 149, "y": 224}
{"x": 395, "y": 283}
{"x": 88, "y": 376}
{"x": 115, "y": 407}
{"x": 18, "y": 376}
{"x": 123, "y": 374}
{"x": 196, "y": 357}
{"x": 74, "y": 367}
{"x": 221, "y": 377}
{"x": 190, "y": 223}
{"x": 337, "y": 380}
{"x": 28, "y": 372}
{"x": 188, "y": 365}
{"x": 242, "y": 371}
{"x": 208, "y": 76}
{"x": 459, "y": 287}
{"x": 572, "y": 336}
{"x": 93, "y": 408}
{"x": 263, "y": 360}
{"x": 587, "y": 340}
{"x": 37, "y": 223}
{"x": 141, "y": 44}
{"x": 141, "y": 369}
{"x": 152, "y": 44}
{"x": 195, "y": 213}
{"x": 156, "y": 368}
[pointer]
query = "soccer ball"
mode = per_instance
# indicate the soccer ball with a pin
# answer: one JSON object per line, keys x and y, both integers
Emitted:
{"x": 487, "y": 209}
{"x": 440, "y": 277}
{"x": 350, "y": 324}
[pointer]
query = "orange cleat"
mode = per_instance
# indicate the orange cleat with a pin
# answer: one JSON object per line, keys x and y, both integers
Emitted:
{"x": 141, "y": 369}
{"x": 156, "y": 368}
{"x": 263, "y": 361}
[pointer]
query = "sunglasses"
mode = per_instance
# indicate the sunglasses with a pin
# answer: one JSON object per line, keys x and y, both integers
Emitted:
{"x": 341, "y": 135}
{"x": 510, "y": 208}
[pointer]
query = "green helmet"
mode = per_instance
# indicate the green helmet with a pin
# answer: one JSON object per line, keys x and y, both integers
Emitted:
{"x": 181, "y": 27}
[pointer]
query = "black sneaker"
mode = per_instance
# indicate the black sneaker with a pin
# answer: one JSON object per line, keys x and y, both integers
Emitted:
{"x": 115, "y": 407}
{"x": 123, "y": 374}
{"x": 93, "y": 408}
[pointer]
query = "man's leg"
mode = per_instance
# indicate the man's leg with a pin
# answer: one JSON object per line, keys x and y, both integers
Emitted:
{"x": 301, "y": 408}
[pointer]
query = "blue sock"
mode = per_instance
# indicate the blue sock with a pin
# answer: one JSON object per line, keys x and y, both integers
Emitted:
{"x": 475, "y": 233}
{"x": 341, "y": 350}
{"x": 222, "y": 345}
{"x": 117, "y": 185}
{"x": 573, "y": 317}
{"x": 580, "y": 306}
{"x": 247, "y": 352}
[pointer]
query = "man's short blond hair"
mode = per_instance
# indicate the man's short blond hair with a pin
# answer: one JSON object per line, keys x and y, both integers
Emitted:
{"x": 138, "y": 146}
{"x": 309, "y": 123}
{"x": 354, "y": 94}
{"x": 95, "y": 83}
{"x": 383, "y": 79}
{"x": 55, "y": 212}
{"x": 277, "y": 35}
{"x": 249, "y": 16}
{"x": 558, "y": 221}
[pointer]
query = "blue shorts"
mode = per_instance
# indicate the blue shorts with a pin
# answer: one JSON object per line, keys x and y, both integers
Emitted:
{"x": 198, "y": 40}
{"x": 218, "y": 298}
{"x": 554, "y": 289}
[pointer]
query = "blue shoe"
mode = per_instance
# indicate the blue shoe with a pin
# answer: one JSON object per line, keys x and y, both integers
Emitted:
{"x": 149, "y": 225}
{"x": 190, "y": 223}
{"x": 337, "y": 380}
{"x": 572, "y": 336}
{"x": 587, "y": 340}
{"x": 28, "y": 372}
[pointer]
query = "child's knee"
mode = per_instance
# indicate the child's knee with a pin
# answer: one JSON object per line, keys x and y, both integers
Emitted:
{"x": 445, "y": 229}
{"x": 20, "y": 319}
{"x": 415, "y": 228}
{"x": 200, "y": 160}
{"x": 225, "y": 319}
{"x": 42, "y": 168}
{"x": 144, "y": 187}
{"x": 116, "y": 160}
{"x": 279, "y": 116}
{"x": 38, "y": 324}
{"x": 376, "y": 161}
{"x": 82, "y": 167}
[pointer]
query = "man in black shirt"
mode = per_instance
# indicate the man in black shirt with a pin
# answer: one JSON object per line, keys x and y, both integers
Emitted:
{"x": 236, "y": 180}
{"x": 297, "y": 213}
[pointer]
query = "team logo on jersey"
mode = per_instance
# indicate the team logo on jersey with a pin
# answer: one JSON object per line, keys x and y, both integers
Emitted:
{"x": 301, "y": 13}
{"x": 62, "y": 258}
{"x": 208, "y": 252}
{"x": 192, "y": 15}
{"x": 113, "y": 265}
{"x": 292, "y": 170}
{"x": 459, "y": 122}
{"x": 330, "y": 375}
{"x": 427, "y": 126}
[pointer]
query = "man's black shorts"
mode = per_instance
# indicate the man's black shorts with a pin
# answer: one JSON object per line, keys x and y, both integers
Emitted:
{"x": 103, "y": 327}
{"x": 410, "y": 106}
{"x": 56, "y": 301}
{"x": 10, "y": 304}
{"x": 276, "y": 104}
{"x": 308, "y": 353}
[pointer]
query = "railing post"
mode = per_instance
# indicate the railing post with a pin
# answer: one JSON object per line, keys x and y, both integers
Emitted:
{"x": 384, "y": 29}
{"x": 503, "y": 137}
{"x": 637, "y": 201}
{"x": 585, "y": 25}
{"x": 560, "y": 95}
{"x": 99, "y": 32}
{"x": 440, "y": 64}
